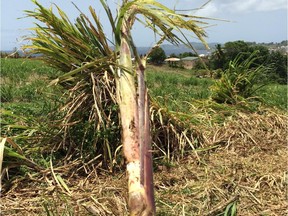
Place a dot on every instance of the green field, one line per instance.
(25, 90)
(179, 86)
(26, 81)
(240, 149)
(25, 86)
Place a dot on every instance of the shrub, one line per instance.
(239, 81)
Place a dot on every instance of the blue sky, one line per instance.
(249, 20)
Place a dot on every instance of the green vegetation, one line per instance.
(27, 101)
(174, 89)
(25, 84)
(157, 56)
(239, 81)
(178, 92)
(25, 91)
(274, 60)
(274, 95)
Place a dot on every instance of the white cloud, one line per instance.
(253, 5)
(209, 10)
(272, 5)
(239, 6)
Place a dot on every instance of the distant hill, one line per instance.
(172, 49)
(168, 48)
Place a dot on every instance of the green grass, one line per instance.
(177, 89)
(26, 98)
(24, 91)
(25, 86)
(275, 95)
(27, 101)
(22, 69)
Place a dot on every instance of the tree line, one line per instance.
(275, 60)
(223, 55)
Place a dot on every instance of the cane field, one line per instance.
(209, 158)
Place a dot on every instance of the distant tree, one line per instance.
(233, 49)
(3, 54)
(284, 43)
(186, 54)
(262, 54)
(275, 61)
(278, 64)
(157, 56)
(222, 56)
(217, 59)
(173, 55)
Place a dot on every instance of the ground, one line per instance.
(242, 163)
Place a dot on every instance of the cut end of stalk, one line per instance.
(137, 203)
(137, 196)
